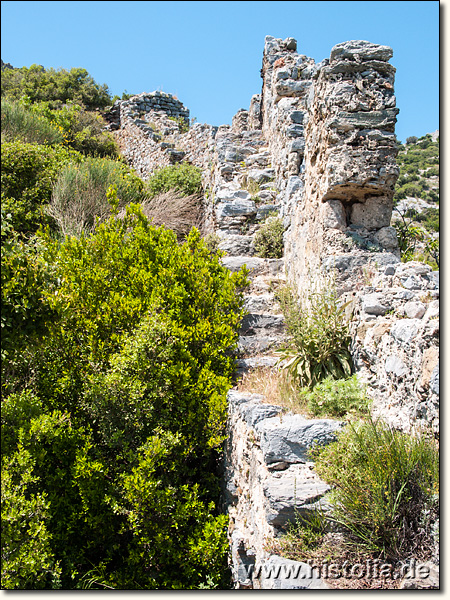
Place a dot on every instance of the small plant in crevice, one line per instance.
(319, 332)
(268, 240)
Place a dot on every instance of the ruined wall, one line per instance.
(330, 128)
(318, 147)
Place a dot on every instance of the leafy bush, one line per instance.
(124, 417)
(80, 193)
(83, 130)
(320, 336)
(25, 278)
(386, 485)
(268, 240)
(19, 123)
(55, 86)
(27, 559)
(29, 172)
(336, 398)
(183, 177)
(411, 139)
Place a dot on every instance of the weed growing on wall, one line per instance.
(268, 240)
(320, 338)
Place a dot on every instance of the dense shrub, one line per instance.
(55, 86)
(386, 487)
(29, 172)
(336, 397)
(320, 338)
(80, 193)
(183, 177)
(20, 123)
(83, 130)
(125, 414)
(25, 278)
(268, 241)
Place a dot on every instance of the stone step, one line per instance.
(254, 345)
(243, 365)
(260, 303)
(271, 267)
(290, 492)
(236, 244)
(255, 324)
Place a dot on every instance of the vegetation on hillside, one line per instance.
(418, 229)
(117, 353)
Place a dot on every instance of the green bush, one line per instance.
(19, 123)
(80, 193)
(124, 417)
(320, 336)
(268, 240)
(29, 172)
(336, 397)
(55, 86)
(83, 130)
(25, 280)
(27, 558)
(385, 487)
(182, 177)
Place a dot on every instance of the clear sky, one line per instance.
(209, 54)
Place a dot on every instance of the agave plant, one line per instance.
(320, 338)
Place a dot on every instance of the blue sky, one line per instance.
(209, 54)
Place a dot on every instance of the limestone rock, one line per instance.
(290, 437)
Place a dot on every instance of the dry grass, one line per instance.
(175, 211)
(274, 385)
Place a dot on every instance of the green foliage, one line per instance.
(55, 86)
(182, 177)
(124, 415)
(27, 558)
(80, 193)
(336, 398)
(82, 130)
(20, 123)
(320, 336)
(183, 124)
(26, 279)
(386, 485)
(268, 240)
(411, 139)
(416, 243)
(29, 172)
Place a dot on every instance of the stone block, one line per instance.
(333, 215)
(395, 365)
(291, 437)
(374, 304)
(374, 213)
(405, 330)
(360, 50)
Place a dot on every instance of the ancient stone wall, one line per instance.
(317, 147)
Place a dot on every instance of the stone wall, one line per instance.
(317, 147)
